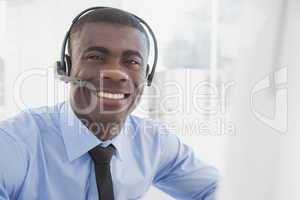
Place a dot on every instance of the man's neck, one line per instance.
(102, 129)
(105, 130)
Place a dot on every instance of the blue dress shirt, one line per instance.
(44, 156)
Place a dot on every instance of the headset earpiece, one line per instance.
(68, 64)
(59, 68)
(147, 70)
(147, 75)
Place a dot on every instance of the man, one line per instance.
(90, 147)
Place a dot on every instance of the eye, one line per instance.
(133, 62)
(95, 57)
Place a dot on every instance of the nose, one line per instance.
(114, 75)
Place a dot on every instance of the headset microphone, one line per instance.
(78, 82)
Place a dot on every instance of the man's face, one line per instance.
(113, 58)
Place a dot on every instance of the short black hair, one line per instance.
(108, 15)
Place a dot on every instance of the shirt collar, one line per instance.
(78, 139)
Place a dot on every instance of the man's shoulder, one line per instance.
(19, 136)
(28, 122)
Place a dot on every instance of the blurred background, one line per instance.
(226, 81)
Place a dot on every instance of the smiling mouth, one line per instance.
(113, 96)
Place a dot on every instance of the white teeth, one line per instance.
(110, 95)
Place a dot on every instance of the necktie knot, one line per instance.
(102, 155)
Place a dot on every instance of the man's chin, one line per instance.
(109, 117)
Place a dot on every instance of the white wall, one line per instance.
(255, 155)
(2, 50)
(288, 183)
(260, 160)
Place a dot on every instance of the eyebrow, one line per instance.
(133, 53)
(96, 48)
(106, 51)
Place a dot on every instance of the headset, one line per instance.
(63, 67)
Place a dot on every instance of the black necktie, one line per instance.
(101, 157)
